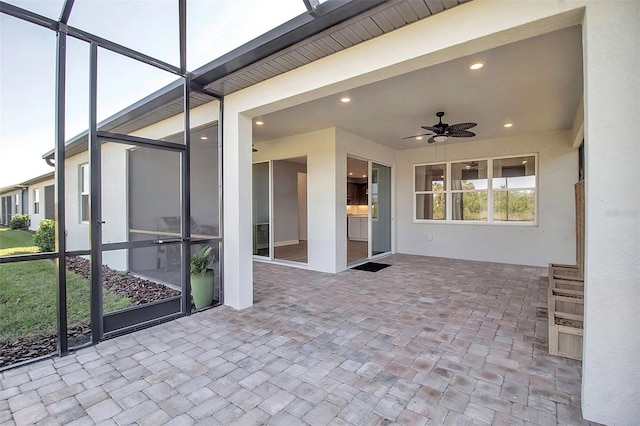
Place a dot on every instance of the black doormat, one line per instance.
(371, 266)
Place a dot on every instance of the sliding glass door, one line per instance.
(280, 210)
(380, 209)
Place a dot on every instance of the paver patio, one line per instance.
(425, 341)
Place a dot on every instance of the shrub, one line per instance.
(19, 221)
(45, 237)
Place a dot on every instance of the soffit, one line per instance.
(388, 17)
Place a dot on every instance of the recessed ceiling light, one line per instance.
(507, 125)
(204, 138)
(364, 175)
(345, 100)
(259, 123)
(418, 138)
(524, 161)
(350, 174)
(476, 65)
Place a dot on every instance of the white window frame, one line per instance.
(450, 191)
(490, 193)
(36, 200)
(84, 191)
(447, 204)
(18, 196)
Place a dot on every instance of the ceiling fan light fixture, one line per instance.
(419, 138)
(440, 138)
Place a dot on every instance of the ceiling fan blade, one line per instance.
(431, 140)
(462, 134)
(461, 126)
(415, 136)
(436, 130)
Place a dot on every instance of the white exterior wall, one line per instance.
(611, 358)
(77, 231)
(551, 240)
(114, 208)
(612, 339)
(114, 185)
(114, 203)
(34, 218)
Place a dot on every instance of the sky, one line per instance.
(28, 58)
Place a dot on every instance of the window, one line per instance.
(494, 190)
(469, 190)
(430, 192)
(514, 189)
(84, 193)
(18, 203)
(36, 201)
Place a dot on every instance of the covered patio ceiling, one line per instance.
(534, 84)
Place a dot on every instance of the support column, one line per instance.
(237, 198)
(611, 378)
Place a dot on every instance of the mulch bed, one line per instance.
(138, 290)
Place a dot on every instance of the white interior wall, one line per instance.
(285, 202)
(319, 148)
(611, 355)
(552, 240)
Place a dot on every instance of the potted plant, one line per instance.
(202, 278)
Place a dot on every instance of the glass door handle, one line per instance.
(168, 240)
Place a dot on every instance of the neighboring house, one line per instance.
(42, 199)
(569, 47)
(13, 200)
(34, 197)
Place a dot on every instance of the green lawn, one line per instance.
(28, 292)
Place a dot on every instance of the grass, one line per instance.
(28, 292)
(16, 242)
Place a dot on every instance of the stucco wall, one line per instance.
(611, 358)
(37, 218)
(77, 231)
(552, 240)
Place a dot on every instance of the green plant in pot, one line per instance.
(202, 278)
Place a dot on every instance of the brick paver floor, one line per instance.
(425, 341)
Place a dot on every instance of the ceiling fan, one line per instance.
(440, 132)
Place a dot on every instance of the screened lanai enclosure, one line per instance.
(123, 101)
(133, 202)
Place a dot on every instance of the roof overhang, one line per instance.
(331, 27)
